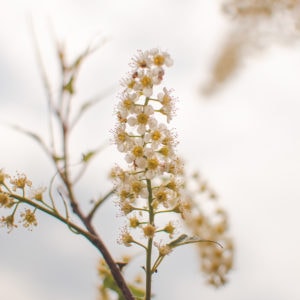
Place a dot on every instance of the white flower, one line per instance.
(131, 121)
(167, 103)
(141, 60)
(147, 91)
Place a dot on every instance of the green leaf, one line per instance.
(177, 241)
(137, 291)
(109, 283)
(184, 239)
(58, 158)
(69, 86)
(86, 157)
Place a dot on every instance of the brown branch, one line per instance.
(61, 110)
(96, 240)
(99, 244)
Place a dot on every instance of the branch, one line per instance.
(34, 136)
(54, 214)
(46, 83)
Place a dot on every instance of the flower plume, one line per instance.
(151, 184)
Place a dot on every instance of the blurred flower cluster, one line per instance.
(209, 220)
(255, 24)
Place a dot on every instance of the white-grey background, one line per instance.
(244, 140)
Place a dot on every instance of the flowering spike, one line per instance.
(151, 181)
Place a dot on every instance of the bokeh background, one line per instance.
(244, 138)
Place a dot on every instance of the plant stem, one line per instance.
(150, 243)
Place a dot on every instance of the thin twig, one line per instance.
(86, 161)
(46, 83)
(54, 214)
(98, 204)
(33, 135)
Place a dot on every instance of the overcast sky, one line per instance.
(244, 140)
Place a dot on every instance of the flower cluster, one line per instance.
(151, 184)
(12, 193)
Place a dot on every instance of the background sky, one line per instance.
(243, 139)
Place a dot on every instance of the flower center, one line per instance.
(159, 60)
(138, 151)
(142, 118)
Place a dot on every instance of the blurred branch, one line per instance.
(46, 82)
(34, 136)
